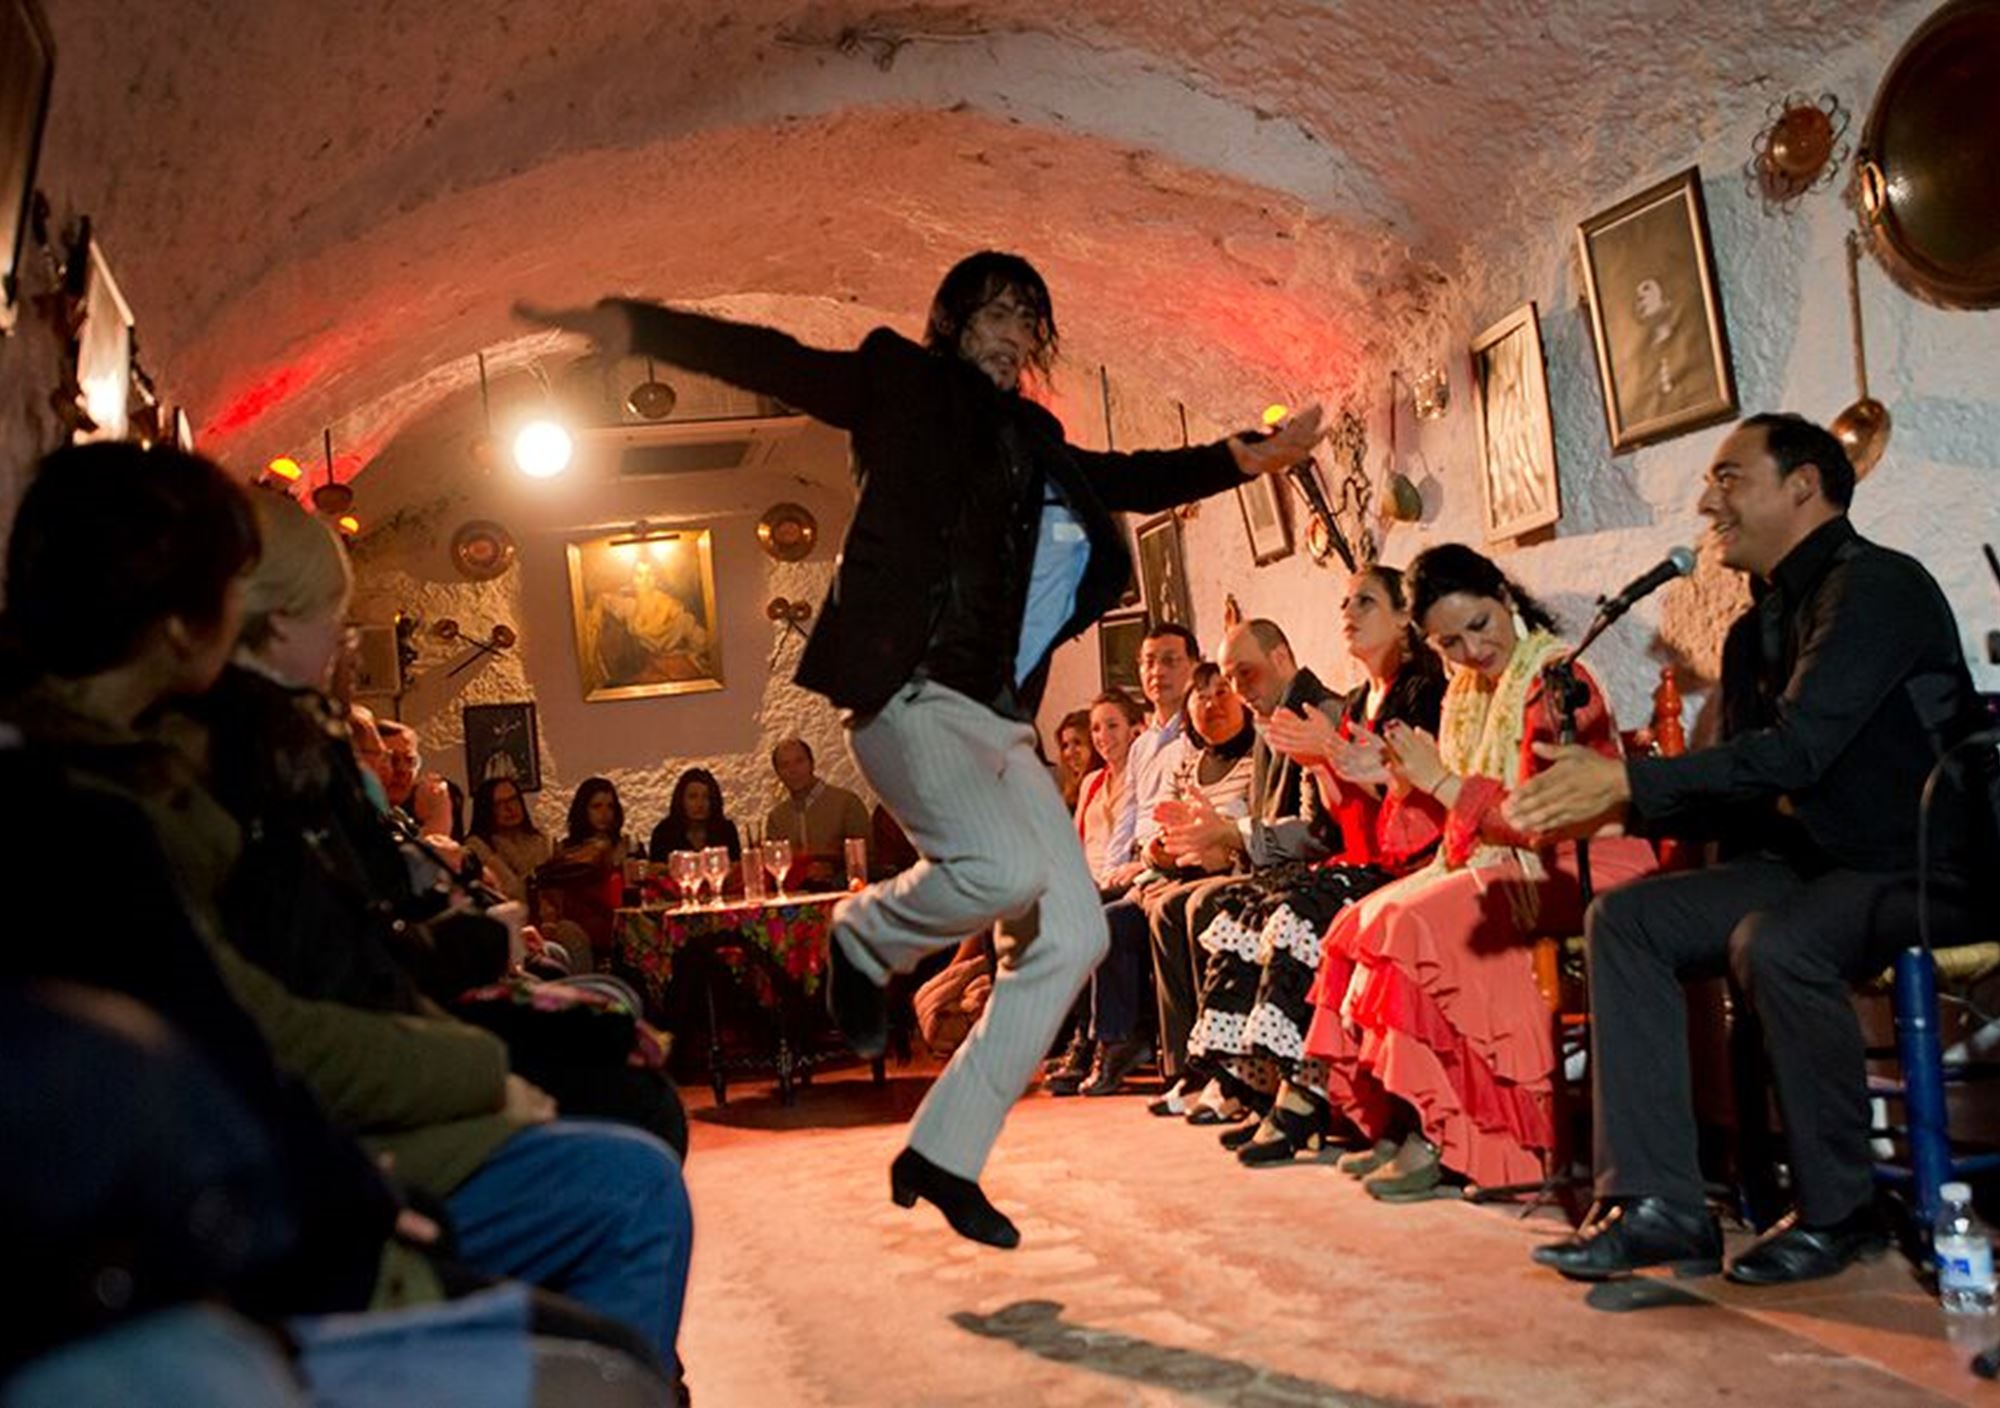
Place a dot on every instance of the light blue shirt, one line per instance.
(1155, 758)
(1062, 551)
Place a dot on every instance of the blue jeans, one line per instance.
(1120, 984)
(597, 1212)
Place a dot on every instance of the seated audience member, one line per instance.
(595, 832)
(503, 835)
(424, 797)
(1263, 945)
(815, 816)
(1167, 659)
(1076, 756)
(125, 588)
(1102, 800)
(1217, 772)
(1281, 825)
(1434, 1030)
(1842, 686)
(695, 819)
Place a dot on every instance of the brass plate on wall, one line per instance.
(1928, 156)
(788, 532)
(481, 550)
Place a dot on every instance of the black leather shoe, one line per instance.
(857, 1004)
(912, 1176)
(1116, 1061)
(1628, 1234)
(1237, 1137)
(1791, 1251)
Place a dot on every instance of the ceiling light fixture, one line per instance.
(652, 399)
(542, 449)
(332, 498)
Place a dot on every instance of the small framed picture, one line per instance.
(1656, 315)
(500, 741)
(104, 354)
(1264, 519)
(1119, 636)
(27, 73)
(378, 667)
(1163, 571)
(1517, 442)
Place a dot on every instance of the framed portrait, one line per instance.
(1264, 520)
(1656, 315)
(104, 354)
(1517, 442)
(1163, 571)
(643, 604)
(27, 74)
(500, 741)
(1119, 636)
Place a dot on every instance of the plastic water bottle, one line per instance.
(1964, 1251)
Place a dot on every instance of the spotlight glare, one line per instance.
(542, 450)
(284, 467)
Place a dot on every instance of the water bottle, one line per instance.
(1964, 1251)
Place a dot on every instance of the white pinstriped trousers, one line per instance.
(997, 843)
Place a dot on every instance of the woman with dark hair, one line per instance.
(1435, 1034)
(1264, 944)
(504, 836)
(695, 819)
(595, 831)
(1076, 755)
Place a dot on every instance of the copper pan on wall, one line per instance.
(1928, 159)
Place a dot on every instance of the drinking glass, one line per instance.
(684, 868)
(855, 850)
(778, 860)
(715, 866)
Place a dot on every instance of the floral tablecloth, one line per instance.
(789, 934)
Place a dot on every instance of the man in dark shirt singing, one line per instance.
(1842, 686)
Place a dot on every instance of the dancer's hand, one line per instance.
(1579, 790)
(1288, 443)
(606, 324)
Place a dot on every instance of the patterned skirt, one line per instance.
(1262, 954)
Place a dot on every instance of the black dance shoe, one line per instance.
(1791, 1251)
(1237, 1137)
(1285, 1134)
(1115, 1061)
(1628, 1234)
(855, 1001)
(912, 1176)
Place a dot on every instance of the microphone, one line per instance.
(1677, 563)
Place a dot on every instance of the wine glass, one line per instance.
(715, 867)
(684, 867)
(778, 860)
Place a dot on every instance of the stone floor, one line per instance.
(1154, 1270)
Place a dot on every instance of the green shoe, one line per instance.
(1414, 1175)
(1363, 1162)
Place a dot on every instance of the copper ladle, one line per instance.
(1863, 428)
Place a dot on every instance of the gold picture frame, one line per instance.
(643, 606)
(1656, 315)
(1517, 440)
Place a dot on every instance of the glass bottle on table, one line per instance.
(715, 867)
(855, 850)
(778, 860)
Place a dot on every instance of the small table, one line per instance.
(776, 948)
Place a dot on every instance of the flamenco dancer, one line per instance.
(981, 541)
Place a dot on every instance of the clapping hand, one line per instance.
(1195, 833)
(1306, 736)
(1412, 757)
(1362, 759)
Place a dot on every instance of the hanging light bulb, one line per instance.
(286, 468)
(348, 524)
(1275, 413)
(332, 498)
(542, 449)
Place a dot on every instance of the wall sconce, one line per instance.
(793, 615)
(500, 638)
(1430, 393)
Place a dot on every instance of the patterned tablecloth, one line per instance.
(789, 934)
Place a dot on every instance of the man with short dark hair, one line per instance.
(982, 539)
(814, 815)
(1842, 686)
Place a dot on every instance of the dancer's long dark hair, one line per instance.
(977, 280)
